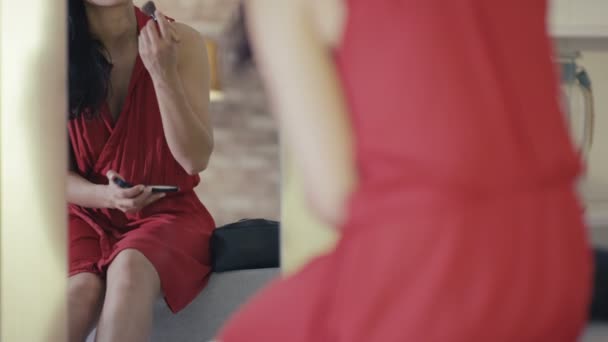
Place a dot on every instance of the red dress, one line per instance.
(173, 233)
(464, 226)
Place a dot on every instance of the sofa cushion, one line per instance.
(596, 333)
(202, 319)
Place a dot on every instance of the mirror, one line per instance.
(148, 184)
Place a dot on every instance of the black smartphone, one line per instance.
(164, 188)
(155, 188)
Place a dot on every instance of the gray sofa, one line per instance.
(225, 293)
(200, 321)
(596, 333)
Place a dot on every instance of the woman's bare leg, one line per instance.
(133, 286)
(85, 296)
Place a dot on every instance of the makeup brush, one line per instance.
(150, 9)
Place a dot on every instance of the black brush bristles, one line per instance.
(150, 9)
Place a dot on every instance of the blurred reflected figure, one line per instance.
(429, 133)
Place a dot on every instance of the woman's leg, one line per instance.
(133, 286)
(85, 296)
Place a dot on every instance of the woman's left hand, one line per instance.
(158, 49)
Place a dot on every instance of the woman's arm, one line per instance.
(83, 193)
(181, 80)
(308, 99)
(86, 194)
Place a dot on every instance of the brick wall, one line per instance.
(243, 179)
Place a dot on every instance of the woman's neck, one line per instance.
(114, 26)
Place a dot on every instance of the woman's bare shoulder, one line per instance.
(192, 43)
(187, 33)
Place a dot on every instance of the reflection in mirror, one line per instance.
(170, 137)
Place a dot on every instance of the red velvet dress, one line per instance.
(173, 233)
(464, 226)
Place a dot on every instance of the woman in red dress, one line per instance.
(428, 131)
(138, 113)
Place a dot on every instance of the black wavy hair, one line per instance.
(89, 69)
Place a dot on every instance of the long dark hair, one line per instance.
(89, 69)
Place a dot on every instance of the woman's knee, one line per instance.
(132, 271)
(86, 290)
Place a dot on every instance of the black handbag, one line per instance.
(599, 305)
(244, 245)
